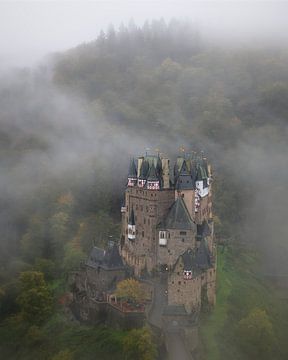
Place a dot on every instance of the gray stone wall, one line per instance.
(182, 291)
(177, 244)
(149, 208)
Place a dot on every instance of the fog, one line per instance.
(72, 138)
(29, 30)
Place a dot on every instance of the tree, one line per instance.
(35, 299)
(131, 290)
(255, 334)
(64, 355)
(138, 344)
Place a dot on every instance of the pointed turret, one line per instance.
(143, 173)
(184, 179)
(153, 182)
(201, 180)
(131, 226)
(132, 174)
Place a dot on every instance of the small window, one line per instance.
(183, 240)
(143, 233)
(179, 282)
(182, 232)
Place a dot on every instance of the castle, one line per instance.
(167, 232)
(167, 226)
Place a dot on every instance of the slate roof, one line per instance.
(188, 260)
(185, 181)
(144, 169)
(152, 174)
(132, 169)
(202, 259)
(201, 173)
(108, 260)
(196, 260)
(203, 229)
(178, 217)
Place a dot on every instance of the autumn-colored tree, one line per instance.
(35, 299)
(138, 344)
(63, 355)
(131, 290)
(255, 335)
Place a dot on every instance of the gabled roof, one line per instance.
(112, 258)
(152, 174)
(188, 260)
(178, 217)
(195, 260)
(107, 260)
(132, 169)
(203, 229)
(202, 259)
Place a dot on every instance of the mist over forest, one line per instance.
(70, 126)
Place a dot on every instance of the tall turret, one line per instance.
(131, 226)
(184, 180)
(132, 175)
(153, 182)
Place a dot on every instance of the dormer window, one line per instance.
(187, 274)
(141, 182)
(131, 182)
(163, 236)
(153, 185)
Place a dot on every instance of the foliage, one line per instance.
(241, 290)
(156, 84)
(35, 300)
(256, 335)
(131, 290)
(138, 344)
(63, 355)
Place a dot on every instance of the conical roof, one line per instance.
(179, 217)
(152, 174)
(132, 169)
(201, 173)
(144, 169)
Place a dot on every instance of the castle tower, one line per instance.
(132, 175)
(131, 226)
(167, 227)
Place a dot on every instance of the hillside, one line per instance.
(67, 137)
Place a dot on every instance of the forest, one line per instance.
(68, 130)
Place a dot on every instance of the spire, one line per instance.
(185, 180)
(132, 169)
(152, 174)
